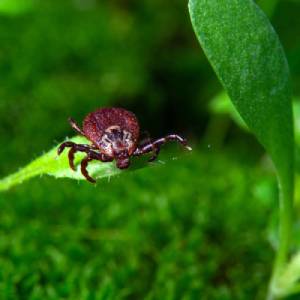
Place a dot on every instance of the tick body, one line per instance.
(114, 135)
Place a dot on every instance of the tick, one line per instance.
(114, 135)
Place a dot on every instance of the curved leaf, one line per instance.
(248, 58)
(58, 166)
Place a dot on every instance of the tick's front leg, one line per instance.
(84, 171)
(73, 149)
(71, 156)
(77, 147)
(92, 155)
(155, 152)
(172, 137)
(71, 153)
(147, 149)
(155, 146)
(64, 145)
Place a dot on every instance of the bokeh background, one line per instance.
(201, 226)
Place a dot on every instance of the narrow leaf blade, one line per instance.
(248, 58)
(58, 166)
(246, 54)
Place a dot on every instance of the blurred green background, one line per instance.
(201, 226)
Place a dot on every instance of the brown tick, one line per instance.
(114, 134)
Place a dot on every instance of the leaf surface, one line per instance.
(248, 58)
(58, 166)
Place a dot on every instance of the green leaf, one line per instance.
(58, 166)
(248, 58)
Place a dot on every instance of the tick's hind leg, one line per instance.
(84, 171)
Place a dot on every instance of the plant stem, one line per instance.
(285, 231)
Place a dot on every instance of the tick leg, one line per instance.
(75, 126)
(172, 137)
(71, 158)
(74, 148)
(100, 156)
(78, 147)
(155, 146)
(84, 171)
(155, 151)
(146, 141)
(92, 154)
(64, 145)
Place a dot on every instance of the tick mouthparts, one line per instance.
(123, 163)
(188, 148)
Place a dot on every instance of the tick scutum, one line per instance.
(112, 126)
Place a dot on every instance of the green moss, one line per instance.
(140, 235)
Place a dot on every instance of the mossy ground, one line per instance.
(156, 233)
